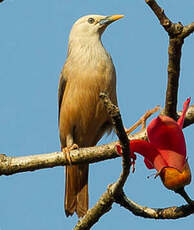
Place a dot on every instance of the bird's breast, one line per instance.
(81, 106)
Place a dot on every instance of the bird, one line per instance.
(82, 117)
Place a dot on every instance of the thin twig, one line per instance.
(142, 120)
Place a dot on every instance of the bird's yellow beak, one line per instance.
(115, 17)
(109, 19)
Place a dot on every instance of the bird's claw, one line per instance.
(66, 152)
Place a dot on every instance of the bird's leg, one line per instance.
(142, 120)
(70, 146)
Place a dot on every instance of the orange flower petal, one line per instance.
(174, 179)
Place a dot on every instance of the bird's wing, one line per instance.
(61, 90)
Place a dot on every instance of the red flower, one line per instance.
(165, 150)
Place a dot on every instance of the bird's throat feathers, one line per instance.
(87, 51)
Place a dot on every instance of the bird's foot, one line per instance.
(66, 152)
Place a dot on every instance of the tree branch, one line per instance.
(154, 213)
(177, 33)
(123, 138)
(93, 215)
(187, 30)
(174, 56)
(12, 165)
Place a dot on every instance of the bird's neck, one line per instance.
(86, 50)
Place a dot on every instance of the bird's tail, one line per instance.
(76, 190)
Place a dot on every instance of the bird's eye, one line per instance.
(91, 20)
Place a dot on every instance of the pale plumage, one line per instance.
(83, 120)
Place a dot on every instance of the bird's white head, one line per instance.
(92, 25)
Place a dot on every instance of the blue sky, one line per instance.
(33, 45)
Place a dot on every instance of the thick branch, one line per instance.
(174, 57)
(93, 215)
(12, 165)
